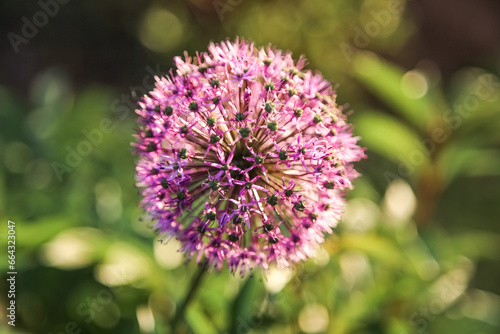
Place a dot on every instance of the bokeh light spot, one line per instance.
(399, 202)
(167, 254)
(122, 265)
(108, 200)
(71, 249)
(145, 318)
(414, 84)
(17, 155)
(161, 30)
(277, 279)
(322, 258)
(39, 174)
(314, 318)
(360, 215)
(355, 267)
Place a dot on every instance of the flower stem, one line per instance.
(195, 284)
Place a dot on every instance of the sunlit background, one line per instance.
(417, 250)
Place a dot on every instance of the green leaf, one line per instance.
(478, 244)
(458, 160)
(35, 233)
(385, 81)
(389, 137)
(243, 303)
(199, 322)
(374, 246)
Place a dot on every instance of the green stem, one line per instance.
(195, 284)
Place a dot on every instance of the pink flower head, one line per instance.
(244, 156)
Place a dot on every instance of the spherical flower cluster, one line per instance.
(244, 156)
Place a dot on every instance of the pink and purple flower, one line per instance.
(244, 156)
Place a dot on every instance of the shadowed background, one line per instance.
(417, 250)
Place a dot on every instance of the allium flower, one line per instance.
(244, 156)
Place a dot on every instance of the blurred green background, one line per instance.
(417, 250)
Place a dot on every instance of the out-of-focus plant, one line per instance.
(413, 254)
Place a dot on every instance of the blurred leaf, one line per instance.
(34, 233)
(475, 244)
(463, 324)
(480, 132)
(477, 96)
(474, 114)
(199, 322)
(359, 306)
(384, 80)
(223, 288)
(457, 161)
(388, 137)
(375, 246)
(243, 303)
